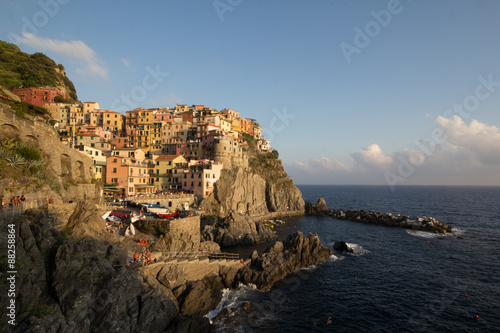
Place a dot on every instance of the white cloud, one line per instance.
(469, 154)
(481, 140)
(126, 63)
(321, 164)
(75, 50)
(372, 157)
(169, 100)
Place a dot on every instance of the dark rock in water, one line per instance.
(281, 259)
(321, 205)
(342, 247)
(319, 208)
(224, 313)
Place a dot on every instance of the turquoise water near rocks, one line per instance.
(397, 280)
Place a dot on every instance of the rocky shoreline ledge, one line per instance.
(422, 223)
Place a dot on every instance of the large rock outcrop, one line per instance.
(283, 258)
(251, 192)
(244, 195)
(236, 229)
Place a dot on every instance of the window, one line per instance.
(185, 184)
(213, 176)
(114, 170)
(199, 184)
(131, 180)
(114, 160)
(207, 184)
(192, 184)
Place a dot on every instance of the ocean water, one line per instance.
(397, 280)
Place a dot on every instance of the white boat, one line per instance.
(114, 219)
(105, 216)
(158, 210)
(130, 231)
(136, 218)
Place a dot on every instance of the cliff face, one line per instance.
(254, 192)
(72, 277)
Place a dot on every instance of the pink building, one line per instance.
(200, 177)
(38, 95)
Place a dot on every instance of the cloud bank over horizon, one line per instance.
(465, 154)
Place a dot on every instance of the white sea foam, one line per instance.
(358, 249)
(233, 299)
(432, 235)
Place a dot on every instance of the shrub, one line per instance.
(41, 310)
(28, 153)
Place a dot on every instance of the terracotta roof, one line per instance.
(167, 157)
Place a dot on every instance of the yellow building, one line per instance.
(167, 173)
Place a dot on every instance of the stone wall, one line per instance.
(68, 164)
(173, 202)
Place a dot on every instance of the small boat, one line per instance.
(130, 230)
(136, 218)
(158, 210)
(168, 214)
(114, 219)
(105, 216)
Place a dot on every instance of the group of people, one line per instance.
(144, 258)
(15, 201)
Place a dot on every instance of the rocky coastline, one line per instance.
(422, 223)
(74, 276)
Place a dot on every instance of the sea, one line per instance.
(397, 280)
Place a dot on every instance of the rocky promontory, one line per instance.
(422, 223)
(283, 258)
(242, 197)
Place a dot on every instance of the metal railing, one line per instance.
(9, 211)
(200, 255)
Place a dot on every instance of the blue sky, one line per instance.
(336, 116)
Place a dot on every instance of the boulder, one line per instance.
(342, 247)
(283, 258)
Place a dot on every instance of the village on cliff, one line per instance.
(152, 150)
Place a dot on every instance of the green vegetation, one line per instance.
(21, 69)
(17, 154)
(25, 164)
(65, 235)
(23, 108)
(41, 310)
